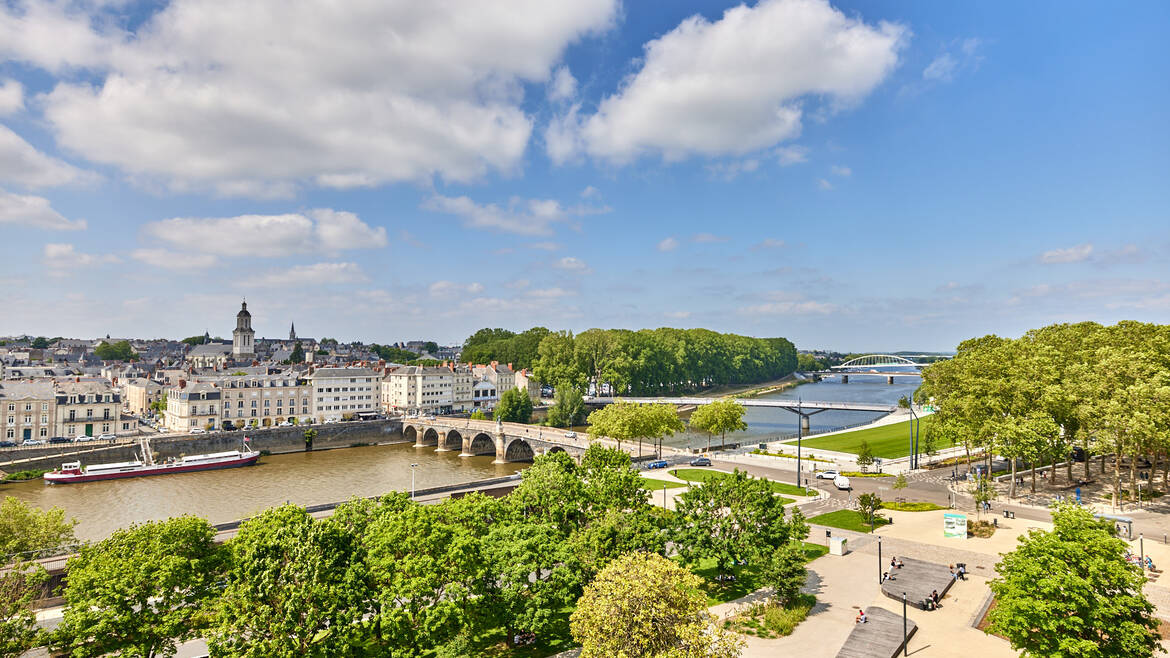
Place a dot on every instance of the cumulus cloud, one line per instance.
(572, 264)
(668, 244)
(790, 155)
(563, 85)
(174, 260)
(22, 164)
(708, 238)
(520, 216)
(549, 293)
(1075, 254)
(34, 211)
(941, 68)
(768, 243)
(11, 97)
(735, 85)
(317, 274)
(268, 235)
(946, 66)
(63, 256)
(783, 302)
(387, 90)
(448, 288)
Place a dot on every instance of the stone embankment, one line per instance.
(274, 440)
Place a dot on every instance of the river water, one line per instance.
(334, 475)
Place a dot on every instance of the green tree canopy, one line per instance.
(140, 591)
(40, 343)
(28, 532)
(119, 351)
(1070, 592)
(568, 407)
(298, 353)
(719, 417)
(643, 604)
(625, 421)
(514, 407)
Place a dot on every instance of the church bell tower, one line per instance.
(243, 343)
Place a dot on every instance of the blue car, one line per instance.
(658, 463)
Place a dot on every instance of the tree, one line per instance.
(785, 573)
(20, 586)
(194, 340)
(529, 580)
(719, 417)
(551, 492)
(568, 407)
(1071, 592)
(120, 351)
(26, 533)
(900, 481)
(309, 435)
(431, 346)
(864, 456)
(159, 406)
(557, 362)
(295, 587)
(298, 353)
(983, 491)
(478, 414)
(868, 504)
(731, 519)
(626, 421)
(514, 407)
(40, 343)
(643, 604)
(29, 533)
(140, 591)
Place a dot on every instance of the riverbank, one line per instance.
(791, 380)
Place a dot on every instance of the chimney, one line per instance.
(495, 363)
(182, 383)
(509, 366)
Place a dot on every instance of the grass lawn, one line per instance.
(746, 576)
(912, 506)
(558, 638)
(847, 519)
(703, 475)
(887, 441)
(656, 485)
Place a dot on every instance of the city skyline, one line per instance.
(935, 172)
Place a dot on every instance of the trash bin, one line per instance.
(838, 546)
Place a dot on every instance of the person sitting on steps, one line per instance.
(861, 618)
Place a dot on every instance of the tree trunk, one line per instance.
(708, 443)
(1012, 486)
(724, 440)
(1033, 466)
(1052, 470)
(1133, 489)
(1116, 478)
(1165, 474)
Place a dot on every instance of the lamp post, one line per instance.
(905, 640)
(799, 434)
(664, 496)
(412, 467)
(913, 454)
(879, 559)
(1142, 549)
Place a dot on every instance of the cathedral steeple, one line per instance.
(292, 331)
(243, 343)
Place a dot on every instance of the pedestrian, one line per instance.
(954, 576)
(861, 618)
(962, 572)
(934, 597)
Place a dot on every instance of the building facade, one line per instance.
(265, 400)
(418, 389)
(193, 405)
(28, 410)
(88, 408)
(243, 338)
(342, 392)
(139, 394)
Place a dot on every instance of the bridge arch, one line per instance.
(429, 438)
(555, 449)
(410, 433)
(519, 451)
(872, 360)
(482, 444)
(453, 440)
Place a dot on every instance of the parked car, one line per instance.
(657, 463)
(199, 430)
(82, 438)
(570, 435)
(285, 424)
(33, 442)
(842, 483)
(827, 475)
(59, 439)
(7, 444)
(700, 461)
(107, 437)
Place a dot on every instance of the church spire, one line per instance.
(292, 331)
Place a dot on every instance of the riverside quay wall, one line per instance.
(274, 440)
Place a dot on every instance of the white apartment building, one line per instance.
(265, 400)
(89, 408)
(28, 410)
(418, 389)
(338, 392)
(193, 405)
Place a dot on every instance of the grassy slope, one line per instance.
(847, 519)
(702, 475)
(887, 441)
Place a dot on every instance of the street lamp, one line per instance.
(1142, 550)
(879, 559)
(905, 639)
(799, 433)
(412, 467)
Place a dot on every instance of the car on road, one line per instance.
(82, 438)
(700, 461)
(827, 475)
(33, 442)
(285, 424)
(107, 437)
(657, 463)
(570, 435)
(199, 430)
(59, 439)
(842, 483)
(7, 444)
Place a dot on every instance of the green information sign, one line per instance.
(955, 525)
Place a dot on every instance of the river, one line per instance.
(333, 475)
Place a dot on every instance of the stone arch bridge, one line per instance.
(508, 442)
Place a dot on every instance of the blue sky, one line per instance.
(851, 175)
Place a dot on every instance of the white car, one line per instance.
(107, 437)
(83, 439)
(33, 442)
(842, 483)
(286, 424)
(199, 430)
(570, 435)
(827, 475)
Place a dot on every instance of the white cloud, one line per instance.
(383, 91)
(549, 293)
(794, 307)
(790, 155)
(738, 84)
(317, 274)
(34, 211)
(668, 244)
(11, 97)
(63, 256)
(563, 85)
(768, 243)
(839, 170)
(521, 216)
(708, 238)
(545, 246)
(572, 264)
(22, 164)
(448, 288)
(678, 315)
(590, 192)
(732, 170)
(1070, 255)
(173, 260)
(268, 235)
(941, 68)
(824, 184)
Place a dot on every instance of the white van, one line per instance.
(842, 483)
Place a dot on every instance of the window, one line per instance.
(125, 426)
(44, 418)
(44, 431)
(105, 427)
(28, 406)
(11, 433)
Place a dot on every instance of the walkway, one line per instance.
(882, 636)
